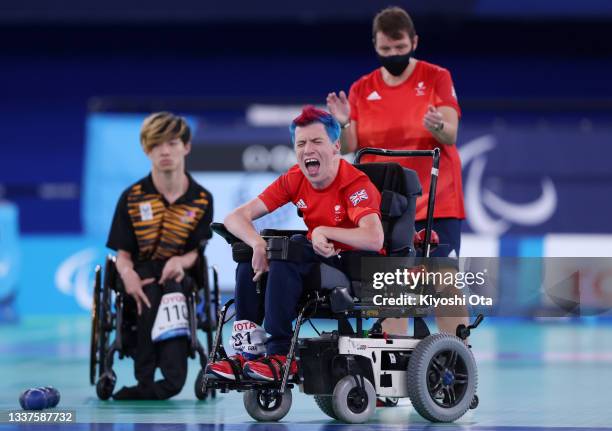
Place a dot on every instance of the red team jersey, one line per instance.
(392, 118)
(341, 204)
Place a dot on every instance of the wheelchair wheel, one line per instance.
(442, 378)
(95, 326)
(198, 387)
(354, 399)
(325, 404)
(102, 324)
(263, 405)
(106, 385)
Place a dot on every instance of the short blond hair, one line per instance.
(162, 127)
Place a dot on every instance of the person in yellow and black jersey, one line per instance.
(160, 225)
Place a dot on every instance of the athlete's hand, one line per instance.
(133, 287)
(260, 260)
(173, 270)
(321, 244)
(433, 120)
(338, 106)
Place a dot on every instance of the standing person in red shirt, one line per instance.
(408, 104)
(340, 206)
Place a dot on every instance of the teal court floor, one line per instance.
(532, 375)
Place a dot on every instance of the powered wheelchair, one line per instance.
(114, 311)
(346, 369)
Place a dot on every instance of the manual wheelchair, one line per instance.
(348, 368)
(113, 310)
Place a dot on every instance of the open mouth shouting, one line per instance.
(312, 166)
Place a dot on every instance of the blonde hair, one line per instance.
(162, 127)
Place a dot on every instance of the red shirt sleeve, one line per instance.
(353, 97)
(276, 194)
(445, 92)
(363, 198)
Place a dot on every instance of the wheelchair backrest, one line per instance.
(399, 188)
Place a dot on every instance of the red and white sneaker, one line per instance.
(227, 368)
(269, 368)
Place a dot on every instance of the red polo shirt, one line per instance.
(341, 204)
(392, 118)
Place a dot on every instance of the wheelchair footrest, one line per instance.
(247, 384)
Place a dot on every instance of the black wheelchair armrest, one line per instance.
(241, 252)
(282, 232)
(220, 229)
(282, 248)
(278, 241)
(279, 245)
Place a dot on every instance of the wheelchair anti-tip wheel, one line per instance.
(265, 405)
(106, 385)
(442, 378)
(354, 399)
(474, 402)
(325, 404)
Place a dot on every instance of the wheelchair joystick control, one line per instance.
(463, 331)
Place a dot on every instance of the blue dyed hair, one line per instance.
(310, 115)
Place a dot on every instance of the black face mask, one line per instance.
(395, 64)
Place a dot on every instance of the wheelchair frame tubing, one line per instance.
(196, 346)
(118, 342)
(221, 320)
(435, 155)
(106, 325)
(294, 339)
(215, 303)
(212, 357)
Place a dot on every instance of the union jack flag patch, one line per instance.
(359, 196)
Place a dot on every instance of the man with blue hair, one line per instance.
(340, 207)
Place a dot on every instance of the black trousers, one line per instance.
(169, 355)
(277, 306)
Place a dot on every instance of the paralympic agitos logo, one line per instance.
(487, 213)
(74, 276)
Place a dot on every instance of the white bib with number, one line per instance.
(248, 338)
(172, 318)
